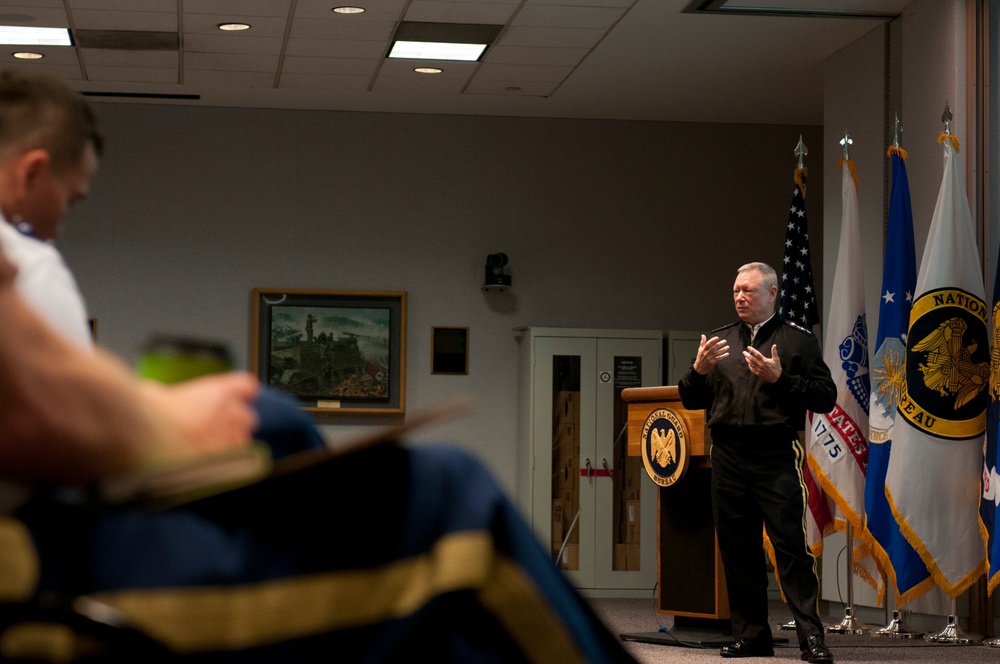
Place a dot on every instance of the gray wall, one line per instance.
(607, 224)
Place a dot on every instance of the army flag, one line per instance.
(989, 506)
(837, 441)
(797, 304)
(933, 478)
(904, 568)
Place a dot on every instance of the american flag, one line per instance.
(798, 297)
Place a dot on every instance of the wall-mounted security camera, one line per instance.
(496, 278)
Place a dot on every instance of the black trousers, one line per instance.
(758, 484)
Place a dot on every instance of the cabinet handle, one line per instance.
(604, 462)
(590, 469)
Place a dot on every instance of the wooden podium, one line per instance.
(690, 579)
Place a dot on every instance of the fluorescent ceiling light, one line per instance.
(348, 10)
(466, 42)
(234, 27)
(21, 35)
(28, 55)
(418, 50)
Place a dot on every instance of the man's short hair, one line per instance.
(42, 112)
(768, 276)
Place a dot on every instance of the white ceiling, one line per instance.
(613, 59)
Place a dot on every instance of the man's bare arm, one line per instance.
(71, 416)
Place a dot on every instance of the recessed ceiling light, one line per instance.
(234, 27)
(418, 50)
(17, 34)
(348, 10)
(428, 70)
(28, 55)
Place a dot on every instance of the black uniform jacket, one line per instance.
(739, 405)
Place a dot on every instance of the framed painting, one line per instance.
(334, 351)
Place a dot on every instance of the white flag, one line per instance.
(933, 477)
(838, 441)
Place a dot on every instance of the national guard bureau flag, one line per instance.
(797, 304)
(837, 441)
(933, 478)
(906, 571)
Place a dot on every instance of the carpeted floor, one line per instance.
(698, 643)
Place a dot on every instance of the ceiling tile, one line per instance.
(450, 70)
(363, 30)
(45, 17)
(381, 10)
(124, 5)
(54, 55)
(325, 82)
(419, 83)
(326, 48)
(132, 74)
(227, 79)
(583, 3)
(569, 17)
(64, 71)
(230, 62)
(105, 57)
(517, 35)
(512, 88)
(238, 9)
(261, 26)
(22, 8)
(489, 72)
(221, 43)
(534, 55)
(442, 11)
(336, 66)
(87, 19)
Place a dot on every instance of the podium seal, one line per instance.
(664, 447)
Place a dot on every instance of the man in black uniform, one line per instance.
(756, 404)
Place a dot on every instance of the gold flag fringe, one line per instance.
(800, 179)
(951, 138)
(851, 168)
(895, 150)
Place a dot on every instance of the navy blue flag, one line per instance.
(905, 569)
(798, 297)
(989, 506)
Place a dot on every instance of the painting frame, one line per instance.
(334, 351)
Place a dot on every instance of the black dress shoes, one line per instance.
(747, 648)
(815, 652)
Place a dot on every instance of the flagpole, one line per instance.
(952, 632)
(850, 624)
(897, 627)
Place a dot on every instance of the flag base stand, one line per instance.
(897, 629)
(788, 626)
(849, 625)
(953, 634)
(992, 643)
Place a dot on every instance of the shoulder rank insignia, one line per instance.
(797, 327)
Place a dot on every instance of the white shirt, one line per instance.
(46, 284)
